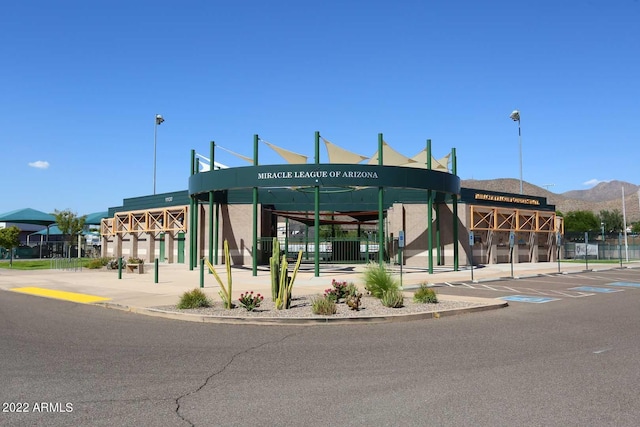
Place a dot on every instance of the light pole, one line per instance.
(515, 116)
(159, 120)
(602, 224)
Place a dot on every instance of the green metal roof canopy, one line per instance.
(28, 216)
(96, 217)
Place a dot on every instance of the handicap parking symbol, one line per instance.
(595, 289)
(624, 284)
(527, 298)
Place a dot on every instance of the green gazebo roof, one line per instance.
(28, 216)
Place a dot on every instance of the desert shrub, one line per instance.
(97, 263)
(352, 289)
(112, 264)
(392, 298)
(193, 299)
(337, 291)
(354, 301)
(425, 295)
(323, 306)
(250, 301)
(378, 280)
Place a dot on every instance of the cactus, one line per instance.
(281, 299)
(274, 266)
(225, 292)
(281, 283)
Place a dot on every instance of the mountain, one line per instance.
(606, 196)
(611, 190)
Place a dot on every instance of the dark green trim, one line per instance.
(323, 175)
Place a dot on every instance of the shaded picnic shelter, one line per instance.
(28, 216)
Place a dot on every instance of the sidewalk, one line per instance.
(139, 290)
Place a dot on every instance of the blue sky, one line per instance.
(81, 82)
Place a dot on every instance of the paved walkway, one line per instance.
(139, 290)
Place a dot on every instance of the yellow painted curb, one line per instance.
(67, 296)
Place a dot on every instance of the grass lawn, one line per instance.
(34, 264)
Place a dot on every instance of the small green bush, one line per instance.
(323, 306)
(378, 280)
(392, 298)
(425, 295)
(97, 263)
(352, 289)
(193, 299)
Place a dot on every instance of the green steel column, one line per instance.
(429, 213)
(191, 210)
(438, 244)
(254, 249)
(316, 212)
(215, 236)
(380, 207)
(454, 170)
(306, 242)
(155, 270)
(196, 222)
(438, 249)
(202, 272)
(211, 157)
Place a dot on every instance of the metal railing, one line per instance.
(331, 250)
(68, 264)
(601, 251)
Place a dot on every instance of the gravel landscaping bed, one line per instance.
(301, 308)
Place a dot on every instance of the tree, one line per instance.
(9, 239)
(612, 220)
(70, 225)
(636, 227)
(581, 221)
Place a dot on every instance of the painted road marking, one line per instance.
(529, 299)
(624, 284)
(63, 295)
(594, 289)
(502, 288)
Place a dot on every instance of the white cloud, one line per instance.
(593, 182)
(39, 164)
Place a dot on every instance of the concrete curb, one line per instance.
(487, 304)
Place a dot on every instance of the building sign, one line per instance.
(318, 174)
(507, 199)
(323, 175)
